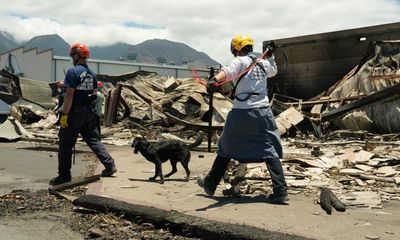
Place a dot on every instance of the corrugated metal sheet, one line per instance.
(381, 72)
(36, 91)
(12, 130)
(4, 108)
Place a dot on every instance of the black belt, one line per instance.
(247, 96)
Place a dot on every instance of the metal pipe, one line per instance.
(211, 89)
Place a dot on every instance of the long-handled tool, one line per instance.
(211, 90)
(73, 159)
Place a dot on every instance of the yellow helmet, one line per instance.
(240, 41)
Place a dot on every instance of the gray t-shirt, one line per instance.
(98, 104)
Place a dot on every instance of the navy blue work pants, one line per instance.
(81, 120)
(274, 167)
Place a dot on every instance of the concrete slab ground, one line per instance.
(27, 166)
(130, 184)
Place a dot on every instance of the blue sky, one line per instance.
(205, 25)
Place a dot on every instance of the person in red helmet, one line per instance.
(78, 117)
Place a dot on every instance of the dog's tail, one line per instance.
(198, 141)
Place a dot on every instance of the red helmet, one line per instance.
(81, 49)
(99, 84)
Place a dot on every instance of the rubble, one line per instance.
(353, 164)
(12, 130)
(139, 103)
(358, 161)
(365, 99)
(358, 178)
(148, 97)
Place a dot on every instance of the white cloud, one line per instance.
(205, 25)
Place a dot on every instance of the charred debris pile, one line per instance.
(362, 104)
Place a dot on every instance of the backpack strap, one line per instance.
(252, 57)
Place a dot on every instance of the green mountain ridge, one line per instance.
(150, 51)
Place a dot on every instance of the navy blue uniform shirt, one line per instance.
(83, 80)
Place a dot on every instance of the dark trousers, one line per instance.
(274, 167)
(81, 120)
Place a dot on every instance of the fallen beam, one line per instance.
(322, 101)
(62, 195)
(390, 92)
(379, 179)
(179, 223)
(316, 144)
(202, 125)
(75, 182)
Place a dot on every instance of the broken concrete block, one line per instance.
(300, 183)
(357, 157)
(362, 199)
(363, 167)
(397, 180)
(386, 171)
(287, 119)
(351, 172)
(95, 233)
(170, 84)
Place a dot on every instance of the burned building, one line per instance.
(311, 64)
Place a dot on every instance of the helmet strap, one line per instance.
(77, 59)
(235, 53)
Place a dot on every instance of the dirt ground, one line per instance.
(38, 215)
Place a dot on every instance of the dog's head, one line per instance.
(138, 144)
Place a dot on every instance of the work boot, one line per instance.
(109, 171)
(234, 191)
(202, 181)
(277, 199)
(212, 179)
(59, 180)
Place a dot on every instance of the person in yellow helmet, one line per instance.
(250, 133)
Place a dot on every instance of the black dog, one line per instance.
(159, 152)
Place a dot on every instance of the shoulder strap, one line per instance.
(241, 77)
(262, 68)
(237, 83)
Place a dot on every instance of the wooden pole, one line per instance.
(75, 182)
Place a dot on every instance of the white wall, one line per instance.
(46, 67)
(33, 64)
(116, 67)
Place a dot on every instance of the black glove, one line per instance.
(212, 81)
(270, 46)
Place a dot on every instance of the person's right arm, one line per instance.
(70, 84)
(270, 66)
